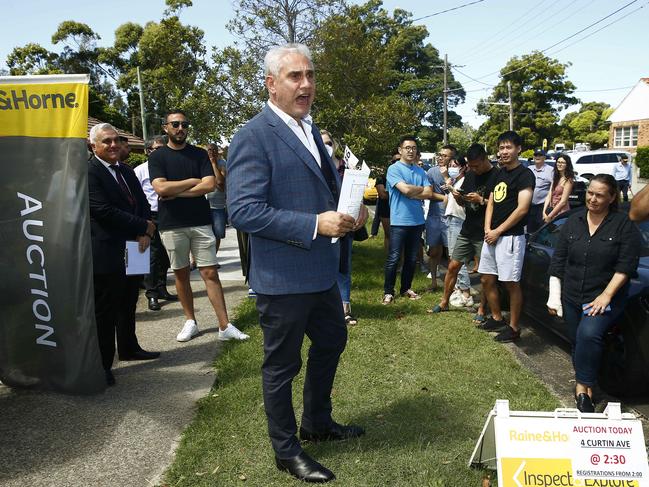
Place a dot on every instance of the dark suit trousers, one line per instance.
(156, 280)
(285, 320)
(115, 301)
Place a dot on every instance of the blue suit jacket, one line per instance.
(275, 189)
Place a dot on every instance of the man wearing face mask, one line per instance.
(436, 229)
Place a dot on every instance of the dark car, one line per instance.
(625, 364)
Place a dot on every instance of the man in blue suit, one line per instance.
(283, 190)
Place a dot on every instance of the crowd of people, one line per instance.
(481, 212)
(281, 182)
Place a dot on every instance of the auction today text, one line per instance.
(38, 278)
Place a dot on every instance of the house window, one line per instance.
(626, 136)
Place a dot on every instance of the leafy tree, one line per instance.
(32, 59)
(540, 90)
(261, 24)
(377, 80)
(462, 137)
(230, 93)
(589, 124)
(170, 57)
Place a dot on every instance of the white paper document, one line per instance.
(136, 262)
(355, 180)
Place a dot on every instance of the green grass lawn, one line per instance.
(420, 384)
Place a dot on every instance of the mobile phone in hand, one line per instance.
(586, 308)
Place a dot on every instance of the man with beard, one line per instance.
(181, 174)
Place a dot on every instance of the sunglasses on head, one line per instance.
(175, 124)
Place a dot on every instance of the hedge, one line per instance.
(642, 161)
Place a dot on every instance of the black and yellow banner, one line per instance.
(47, 333)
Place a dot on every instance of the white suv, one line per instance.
(589, 163)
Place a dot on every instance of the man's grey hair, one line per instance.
(97, 129)
(160, 139)
(274, 57)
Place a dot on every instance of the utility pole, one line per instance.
(445, 137)
(511, 106)
(139, 86)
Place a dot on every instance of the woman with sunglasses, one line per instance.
(556, 202)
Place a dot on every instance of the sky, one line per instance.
(479, 37)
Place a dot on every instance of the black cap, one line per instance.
(539, 152)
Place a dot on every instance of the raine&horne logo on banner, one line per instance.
(44, 109)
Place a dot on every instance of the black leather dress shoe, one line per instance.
(110, 378)
(584, 403)
(139, 355)
(305, 468)
(167, 297)
(335, 432)
(153, 304)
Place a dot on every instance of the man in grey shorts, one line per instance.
(478, 184)
(504, 246)
(181, 174)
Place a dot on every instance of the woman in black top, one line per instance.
(596, 255)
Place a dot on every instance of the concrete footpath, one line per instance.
(127, 435)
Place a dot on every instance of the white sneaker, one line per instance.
(232, 333)
(189, 331)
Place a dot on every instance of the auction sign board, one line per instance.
(564, 448)
(48, 337)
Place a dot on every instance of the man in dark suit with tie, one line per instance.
(119, 212)
(283, 190)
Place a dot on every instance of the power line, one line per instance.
(605, 89)
(526, 35)
(588, 27)
(508, 34)
(560, 42)
(601, 28)
(447, 10)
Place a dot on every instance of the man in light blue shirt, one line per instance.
(407, 187)
(622, 174)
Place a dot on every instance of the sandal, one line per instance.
(411, 295)
(350, 320)
(478, 319)
(437, 309)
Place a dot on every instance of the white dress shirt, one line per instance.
(301, 132)
(306, 137)
(142, 173)
(111, 172)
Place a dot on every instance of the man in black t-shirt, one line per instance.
(504, 246)
(478, 184)
(181, 174)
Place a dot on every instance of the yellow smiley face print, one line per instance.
(500, 192)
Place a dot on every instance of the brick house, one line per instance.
(630, 120)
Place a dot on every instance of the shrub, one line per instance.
(642, 161)
(135, 159)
